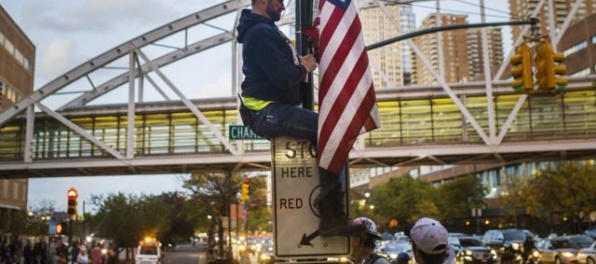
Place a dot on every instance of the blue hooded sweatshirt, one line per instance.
(271, 68)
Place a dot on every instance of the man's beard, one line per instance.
(275, 16)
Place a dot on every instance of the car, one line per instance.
(590, 232)
(587, 255)
(149, 252)
(563, 249)
(505, 239)
(469, 249)
(391, 249)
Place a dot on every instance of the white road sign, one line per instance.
(295, 186)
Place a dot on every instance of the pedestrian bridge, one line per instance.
(463, 123)
(420, 126)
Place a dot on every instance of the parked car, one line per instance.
(587, 255)
(563, 249)
(470, 249)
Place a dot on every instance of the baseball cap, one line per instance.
(428, 235)
(371, 228)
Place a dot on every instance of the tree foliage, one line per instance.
(125, 220)
(458, 197)
(405, 199)
(571, 188)
(213, 192)
(259, 212)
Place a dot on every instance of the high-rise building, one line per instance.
(522, 9)
(17, 61)
(578, 46)
(407, 22)
(475, 51)
(386, 62)
(455, 51)
(463, 58)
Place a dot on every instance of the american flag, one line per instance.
(347, 101)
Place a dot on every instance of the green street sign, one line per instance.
(241, 132)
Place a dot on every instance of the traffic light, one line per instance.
(549, 67)
(245, 191)
(72, 203)
(522, 68)
(60, 227)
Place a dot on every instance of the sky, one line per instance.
(67, 33)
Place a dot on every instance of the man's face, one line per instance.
(274, 9)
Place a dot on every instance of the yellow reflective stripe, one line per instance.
(254, 103)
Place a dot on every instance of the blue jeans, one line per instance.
(285, 120)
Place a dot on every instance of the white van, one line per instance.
(149, 252)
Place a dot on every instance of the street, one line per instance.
(185, 254)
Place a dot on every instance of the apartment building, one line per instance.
(17, 64)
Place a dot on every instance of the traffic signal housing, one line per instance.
(72, 195)
(522, 68)
(549, 67)
(245, 190)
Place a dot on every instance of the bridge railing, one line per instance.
(406, 121)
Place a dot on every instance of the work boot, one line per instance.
(334, 220)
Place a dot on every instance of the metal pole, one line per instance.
(70, 223)
(229, 203)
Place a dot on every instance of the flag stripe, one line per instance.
(347, 103)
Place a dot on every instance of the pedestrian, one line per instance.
(363, 246)
(28, 253)
(61, 253)
(271, 91)
(82, 257)
(507, 258)
(96, 257)
(112, 256)
(429, 242)
(402, 258)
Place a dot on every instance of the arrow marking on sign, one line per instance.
(305, 241)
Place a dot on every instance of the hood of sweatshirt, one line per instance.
(247, 20)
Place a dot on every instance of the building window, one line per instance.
(9, 46)
(593, 39)
(575, 48)
(15, 186)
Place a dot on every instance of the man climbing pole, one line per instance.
(273, 87)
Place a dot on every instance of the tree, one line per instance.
(458, 197)
(515, 195)
(181, 225)
(259, 213)
(572, 193)
(126, 220)
(405, 199)
(213, 191)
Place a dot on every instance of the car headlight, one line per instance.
(536, 254)
(515, 246)
(265, 257)
(567, 254)
(493, 253)
(469, 252)
(393, 256)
